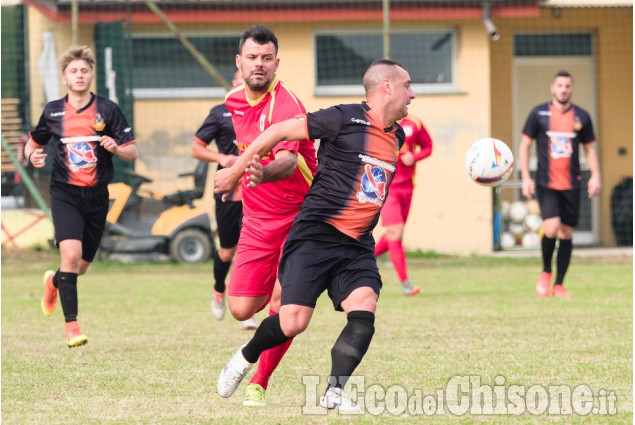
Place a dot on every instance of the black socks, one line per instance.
(268, 335)
(548, 246)
(350, 347)
(67, 285)
(220, 273)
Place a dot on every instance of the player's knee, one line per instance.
(226, 254)
(241, 311)
(294, 325)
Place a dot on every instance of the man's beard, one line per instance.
(563, 101)
(259, 85)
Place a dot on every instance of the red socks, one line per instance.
(398, 259)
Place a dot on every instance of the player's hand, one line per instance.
(225, 181)
(254, 172)
(228, 160)
(407, 158)
(528, 188)
(108, 143)
(594, 186)
(38, 158)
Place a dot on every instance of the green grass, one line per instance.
(154, 350)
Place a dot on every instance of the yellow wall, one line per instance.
(449, 213)
(613, 28)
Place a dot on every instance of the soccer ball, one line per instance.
(489, 162)
(517, 211)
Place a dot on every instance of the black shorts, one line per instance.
(79, 213)
(316, 256)
(229, 216)
(559, 203)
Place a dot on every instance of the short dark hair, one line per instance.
(563, 73)
(385, 62)
(260, 34)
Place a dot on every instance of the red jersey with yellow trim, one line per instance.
(558, 135)
(251, 118)
(419, 143)
(78, 158)
(357, 162)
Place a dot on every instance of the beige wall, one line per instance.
(449, 212)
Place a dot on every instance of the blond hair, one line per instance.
(77, 53)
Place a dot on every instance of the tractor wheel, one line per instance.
(191, 246)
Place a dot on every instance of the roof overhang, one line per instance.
(226, 11)
(587, 3)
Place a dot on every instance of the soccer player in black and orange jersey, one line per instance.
(86, 131)
(330, 246)
(218, 127)
(559, 128)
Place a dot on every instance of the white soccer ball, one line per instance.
(531, 240)
(507, 240)
(532, 222)
(489, 162)
(517, 211)
(517, 230)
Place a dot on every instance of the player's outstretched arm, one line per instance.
(292, 129)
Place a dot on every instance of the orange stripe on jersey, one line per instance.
(80, 147)
(560, 148)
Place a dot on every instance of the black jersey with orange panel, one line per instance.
(78, 158)
(357, 159)
(558, 135)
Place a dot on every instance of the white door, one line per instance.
(532, 76)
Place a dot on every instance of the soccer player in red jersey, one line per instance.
(269, 209)
(218, 127)
(331, 246)
(395, 211)
(559, 128)
(86, 131)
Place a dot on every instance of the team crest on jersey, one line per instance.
(561, 146)
(100, 124)
(577, 123)
(81, 155)
(373, 184)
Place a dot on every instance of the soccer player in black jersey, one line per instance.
(330, 246)
(560, 129)
(218, 127)
(86, 131)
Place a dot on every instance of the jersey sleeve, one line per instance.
(121, 131)
(210, 128)
(586, 134)
(40, 134)
(531, 125)
(324, 124)
(425, 143)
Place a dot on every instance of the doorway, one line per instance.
(534, 65)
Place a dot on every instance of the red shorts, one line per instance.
(397, 206)
(260, 245)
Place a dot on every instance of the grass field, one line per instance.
(155, 351)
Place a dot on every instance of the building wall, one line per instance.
(449, 213)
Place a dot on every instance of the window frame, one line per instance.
(358, 89)
(180, 92)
